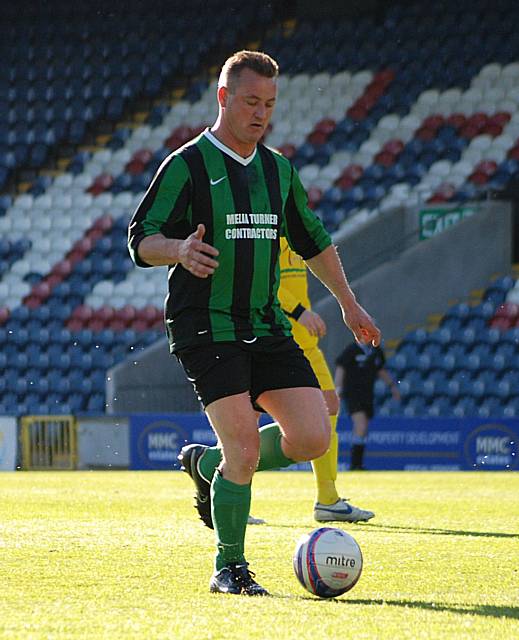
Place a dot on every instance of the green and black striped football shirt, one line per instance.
(245, 205)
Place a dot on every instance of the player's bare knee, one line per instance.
(314, 446)
(241, 459)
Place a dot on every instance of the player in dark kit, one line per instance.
(214, 214)
(358, 366)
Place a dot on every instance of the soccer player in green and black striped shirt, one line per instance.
(214, 214)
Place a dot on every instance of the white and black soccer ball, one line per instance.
(327, 562)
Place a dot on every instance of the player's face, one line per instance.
(247, 111)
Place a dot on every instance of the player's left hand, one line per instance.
(313, 323)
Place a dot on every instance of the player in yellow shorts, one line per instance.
(307, 328)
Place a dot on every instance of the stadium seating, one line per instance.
(468, 366)
(60, 77)
(381, 117)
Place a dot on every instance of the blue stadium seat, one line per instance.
(439, 407)
(465, 407)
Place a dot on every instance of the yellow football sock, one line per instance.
(325, 469)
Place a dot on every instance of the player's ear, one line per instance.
(222, 95)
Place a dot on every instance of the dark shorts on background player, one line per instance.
(358, 403)
(224, 369)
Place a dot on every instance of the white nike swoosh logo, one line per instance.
(213, 182)
(250, 341)
(202, 332)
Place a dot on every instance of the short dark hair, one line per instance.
(256, 61)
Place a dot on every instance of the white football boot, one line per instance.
(341, 511)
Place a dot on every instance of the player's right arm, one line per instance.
(161, 232)
(307, 236)
(328, 268)
(192, 253)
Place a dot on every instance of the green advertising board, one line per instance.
(434, 221)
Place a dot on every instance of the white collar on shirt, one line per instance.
(228, 150)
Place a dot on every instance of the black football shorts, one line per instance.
(360, 402)
(224, 369)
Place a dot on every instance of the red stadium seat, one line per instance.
(140, 325)
(142, 155)
(478, 177)
(326, 126)
(117, 324)
(314, 196)
(94, 324)
(385, 77)
(101, 183)
(437, 198)
(434, 122)
(148, 314)
(368, 100)
(426, 134)
(173, 142)
(288, 150)
(357, 113)
(104, 314)
(492, 129)
(503, 324)
(478, 120)
(134, 167)
(456, 120)
(62, 268)
(317, 138)
(393, 146)
(82, 314)
(469, 131)
(444, 193)
(372, 94)
(74, 325)
(487, 167)
(507, 310)
(384, 158)
(344, 182)
(30, 301)
(41, 291)
(501, 118)
(103, 223)
(183, 133)
(353, 171)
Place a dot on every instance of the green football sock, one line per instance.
(230, 506)
(271, 453)
(208, 462)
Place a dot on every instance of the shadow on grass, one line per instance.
(485, 610)
(389, 527)
(439, 532)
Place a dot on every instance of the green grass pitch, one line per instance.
(122, 555)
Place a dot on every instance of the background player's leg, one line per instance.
(325, 467)
(360, 432)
